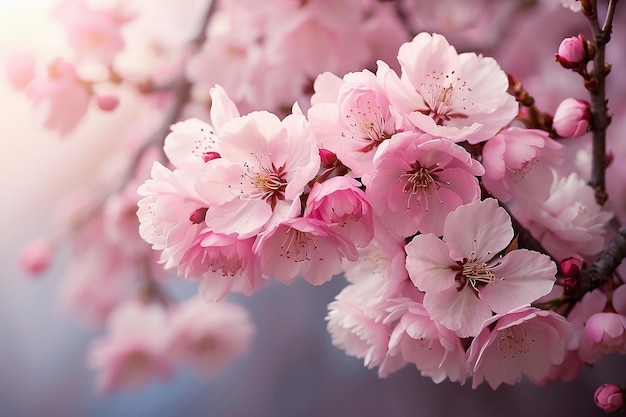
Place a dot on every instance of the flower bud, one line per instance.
(571, 119)
(609, 397)
(327, 157)
(107, 102)
(571, 52)
(37, 256)
(571, 267)
(21, 70)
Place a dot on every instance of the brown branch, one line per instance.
(603, 267)
(600, 118)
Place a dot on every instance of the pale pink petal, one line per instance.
(429, 264)
(460, 311)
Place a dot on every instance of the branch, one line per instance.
(600, 118)
(602, 268)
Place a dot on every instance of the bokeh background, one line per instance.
(292, 370)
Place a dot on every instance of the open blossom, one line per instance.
(569, 222)
(527, 341)
(60, 97)
(355, 122)
(209, 335)
(94, 34)
(134, 351)
(604, 330)
(356, 325)
(417, 180)
(264, 166)
(463, 276)
(446, 94)
(172, 215)
(435, 350)
(303, 246)
(517, 162)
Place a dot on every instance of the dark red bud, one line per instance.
(198, 215)
(209, 156)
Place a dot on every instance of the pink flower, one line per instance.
(303, 246)
(172, 219)
(356, 325)
(36, 257)
(609, 397)
(517, 161)
(94, 34)
(450, 95)
(265, 165)
(569, 222)
(134, 352)
(356, 122)
(342, 205)
(435, 350)
(209, 335)
(571, 52)
(572, 118)
(464, 278)
(60, 97)
(604, 332)
(417, 180)
(527, 341)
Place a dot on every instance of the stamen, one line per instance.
(422, 180)
(297, 245)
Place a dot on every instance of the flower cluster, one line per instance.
(474, 240)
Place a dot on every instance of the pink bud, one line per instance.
(571, 52)
(571, 119)
(107, 102)
(609, 397)
(328, 158)
(198, 215)
(21, 70)
(209, 156)
(37, 256)
(571, 267)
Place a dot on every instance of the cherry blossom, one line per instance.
(342, 205)
(265, 165)
(59, 97)
(518, 161)
(134, 352)
(463, 275)
(435, 350)
(417, 180)
(209, 335)
(446, 94)
(526, 341)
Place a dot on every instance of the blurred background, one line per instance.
(292, 369)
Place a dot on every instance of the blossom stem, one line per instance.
(600, 118)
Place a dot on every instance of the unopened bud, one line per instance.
(36, 257)
(198, 215)
(21, 70)
(107, 102)
(328, 158)
(609, 397)
(572, 52)
(209, 156)
(572, 118)
(571, 267)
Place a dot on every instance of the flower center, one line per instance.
(445, 97)
(298, 245)
(515, 341)
(420, 182)
(263, 181)
(480, 273)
